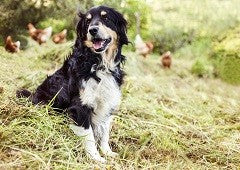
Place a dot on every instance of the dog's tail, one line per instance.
(23, 93)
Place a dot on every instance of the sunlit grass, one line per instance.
(168, 118)
(206, 18)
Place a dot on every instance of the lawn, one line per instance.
(168, 119)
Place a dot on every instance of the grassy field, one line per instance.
(168, 119)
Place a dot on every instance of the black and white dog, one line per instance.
(88, 83)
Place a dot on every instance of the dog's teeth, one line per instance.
(102, 43)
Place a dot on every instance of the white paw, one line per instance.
(97, 157)
(110, 153)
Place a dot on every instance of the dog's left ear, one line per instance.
(81, 29)
(122, 29)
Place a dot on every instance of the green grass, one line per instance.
(205, 18)
(226, 57)
(176, 24)
(168, 119)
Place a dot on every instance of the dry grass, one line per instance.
(168, 118)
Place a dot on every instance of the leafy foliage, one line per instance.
(58, 25)
(130, 8)
(177, 24)
(16, 14)
(226, 56)
(171, 39)
(200, 68)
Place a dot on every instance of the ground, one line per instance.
(168, 119)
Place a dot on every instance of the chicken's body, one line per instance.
(41, 36)
(167, 60)
(11, 46)
(143, 48)
(60, 37)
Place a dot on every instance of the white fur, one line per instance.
(104, 97)
(89, 142)
(104, 142)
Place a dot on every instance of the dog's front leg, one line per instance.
(104, 140)
(89, 142)
(81, 114)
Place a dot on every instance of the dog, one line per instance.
(87, 86)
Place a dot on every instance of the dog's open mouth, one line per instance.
(100, 44)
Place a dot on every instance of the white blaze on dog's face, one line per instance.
(101, 41)
(102, 31)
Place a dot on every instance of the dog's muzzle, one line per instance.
(93, 30)
(99, 43)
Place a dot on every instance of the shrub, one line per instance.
(230, 68)
(201, 68)
(16, 14)
(57, 24)
(226, 56)
(171, 39)
(129, 8)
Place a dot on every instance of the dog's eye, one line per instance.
(88, 21)
(105, 17)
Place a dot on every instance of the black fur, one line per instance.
(64, 84)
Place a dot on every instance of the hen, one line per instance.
(39, 35)
(11, 46)
(143, 48)
(60, 37)
(167, 60)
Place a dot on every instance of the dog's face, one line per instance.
(102, 28)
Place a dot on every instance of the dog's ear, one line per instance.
(81, 28)
(122, 29)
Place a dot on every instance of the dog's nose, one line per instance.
(93, 31)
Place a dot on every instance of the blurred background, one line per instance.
(180, 104)
(202, 30)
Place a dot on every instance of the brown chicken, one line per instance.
(11, 46)
(143, 48)
(39, 35)
(167, 59)
(1, 90)
(60, 37)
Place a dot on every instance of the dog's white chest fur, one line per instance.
(103, 96)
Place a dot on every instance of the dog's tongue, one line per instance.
(97, 45)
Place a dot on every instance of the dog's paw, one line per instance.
(100, 159)
(111, 154)
(97, 158)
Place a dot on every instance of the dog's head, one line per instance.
(102, 29)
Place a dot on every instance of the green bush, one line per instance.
(171, 39)
(201, 68)
(16, 14)
(129, 8)
(57, 24)
(226, 56)
(230, 68)
(199, 48)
